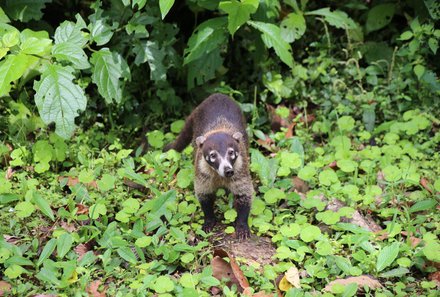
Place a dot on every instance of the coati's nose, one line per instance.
(229, 172)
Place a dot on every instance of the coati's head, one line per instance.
(221, 150)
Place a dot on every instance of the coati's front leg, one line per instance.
(207, 203)
(242, 204)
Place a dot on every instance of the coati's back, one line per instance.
(217, 111)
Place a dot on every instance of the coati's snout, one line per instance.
(220, 151)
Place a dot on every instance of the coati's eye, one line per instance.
(212, 155)
(231, 152)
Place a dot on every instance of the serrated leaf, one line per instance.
(271, 35)
(58, 99)
(238, 12)
(207, 37)
(64, 244)
(293, 27)
(108, 68)
(70, 32)
(337, 18)
(100, 31)
(47, 251)
(149, 51)
(43, 205)
(68, 51)
(25, 10)
(165, 6)
(203, 69)
(127, 254)
(11, 69)
(423, 205)
(387, 256)
(379, 16)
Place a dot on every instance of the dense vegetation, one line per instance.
(342, 102)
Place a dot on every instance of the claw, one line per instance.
(242, 232)
(208, 225)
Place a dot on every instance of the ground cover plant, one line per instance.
(342, 103)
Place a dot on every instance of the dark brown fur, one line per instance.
(218, 120)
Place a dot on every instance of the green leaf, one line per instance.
(293, 27)
(24, 209)
(143, 241)
(11, 69)
(419, 70)
(108, 68)
(231, 215)
(328, 177)
(177, 126)
(70, 32)
(127, 254)
(407, 35)
(47, 251)
(207, 37)
(58, 99)
(184, 178)
(100, 31)
(430, 250)
(131, 205)
(347, 165)
(155, 138)
(25, 10)
(96, 210)
(14, 271)
(423, 205)
(204, 68)
(43, 205)
(387, 256)
(379, 16)
(149, 51)
(346, 123)
(163, 284)
(307, 173)
(187, 258)
(7, 198)
(3, 17)
(310, 233)
(274, 195)
(392, 173)
(337, 18)
(238, 12)
(165, 6)
(107, 182)
(271, 35)
(64, 244)
(71, 52)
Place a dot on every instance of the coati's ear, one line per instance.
(237, 136)
(200, 140)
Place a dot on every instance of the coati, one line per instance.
(217, 130)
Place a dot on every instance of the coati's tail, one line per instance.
(184, 138)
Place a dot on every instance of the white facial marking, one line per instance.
(232, 153)
(212, 156)
(224, 163)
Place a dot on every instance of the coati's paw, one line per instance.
(208, 225)
(242, 232)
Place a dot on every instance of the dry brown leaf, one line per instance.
(425, 184)
(11, 239)
(247, 292)
(72, 181)
(9, 173)
(93, 289)
(290, 129)
(82, 209)
(45, 295)
(4, 287)
(435, 276)
(223, 269)
(68, 227)
(414, 240)
(81, 249)
(292, 276)
(300, 185)
(363, 280)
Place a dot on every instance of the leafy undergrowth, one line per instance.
(332, 202)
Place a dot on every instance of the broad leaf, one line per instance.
(293, 27)
(207, 37)
(71, 52)
(71, 32)
(271, 36)
(25, 10)
(337, 18)
(127, 254)
(379, 16)
(149, 51)
(11, 69)
(64, 244)
(47, 251)
(43, 205)
(387, 256)
(165, 6)
(58, 99)
(203, 69)
(238, 12)
(108, 69)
